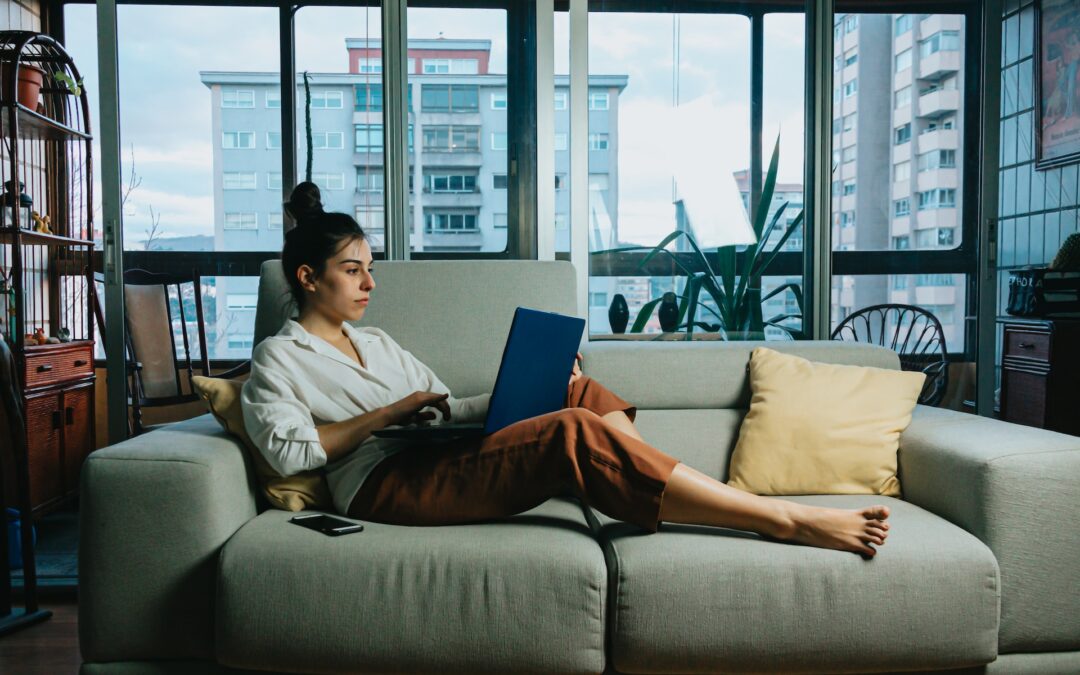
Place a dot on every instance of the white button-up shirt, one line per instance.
(299, 381)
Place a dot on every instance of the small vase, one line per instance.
(668, 312)
(618, 314)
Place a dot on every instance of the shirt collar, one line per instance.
(292, 330)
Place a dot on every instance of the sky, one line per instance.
(166, 117)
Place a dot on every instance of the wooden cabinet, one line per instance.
(1040, 374)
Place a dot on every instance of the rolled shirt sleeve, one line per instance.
(278, 422)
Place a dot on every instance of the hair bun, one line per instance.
(305, 203)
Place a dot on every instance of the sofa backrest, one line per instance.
(453, 315)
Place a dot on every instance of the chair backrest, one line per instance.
(913, 333)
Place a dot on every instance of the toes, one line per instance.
(865, 550)
(873, 539)
(876, 532)
(875, 512)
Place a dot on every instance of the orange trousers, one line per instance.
(523, 465)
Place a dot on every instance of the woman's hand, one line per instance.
(407, 410)
(577, 368)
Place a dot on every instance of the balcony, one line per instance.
(938, 103)
(937, 178)
(934, 23)
(940, 139)
(453, 199)
(939, 64)
(935, 295)
(458, 239)
(446, 158)
(936, 218)
(900, 226)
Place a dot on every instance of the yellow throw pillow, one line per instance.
(305, 490)
(818, 428)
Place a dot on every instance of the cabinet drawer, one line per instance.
(1023, 397)
(1027, 345)
(59, 365)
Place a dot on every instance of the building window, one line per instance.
(273, 98)
(935, 236)
(369, 97)
(274, 221)
(851, 58)
(903, 60)
(238, 180)
(436, 66)
(498, 181)
(273, 140)
(598, 299)
(901, 171)
(902, 24)
(942, 41)
(449, 98)
(452, 139)
(851, 87)
(847, 219)
(242, 302)
(942, 198)
(902, 134)
(901, 207)
(451, 66)
(945, 236)
(899, 282)
(598, 141)
(836, 126)
(273, 181)
(498, 101)
(838, 62)
(450, 222)
(849, 154)
(369, 138)
(849, 187)
(241, 221)
(560, 142)
(329, 181)
(937, 159)
(903, 97)
(934, 280)
(598, 100)
(849, 122)
(328, 140)
(238, 140)
(560, 100)
(835, 193)
(498, 140)
(364, 65)
(370, 220)
(450, 182)
(851, 22)
(237, 98)
(241, 341)
(500, 221)
(327, 100)
(901, 243)
(369, 179)
(560, 181)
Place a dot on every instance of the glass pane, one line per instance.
(457, 85)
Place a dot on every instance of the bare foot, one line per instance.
(842, 529)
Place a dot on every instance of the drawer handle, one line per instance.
(44, 368)
(1026, 345)
(79, 363)
(69, 415)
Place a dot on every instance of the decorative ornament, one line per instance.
(40, 337)
(669, 312)
(618, 314)
(41, 223)
(63, 334)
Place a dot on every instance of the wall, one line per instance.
(25, 15)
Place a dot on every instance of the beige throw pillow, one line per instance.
(305, 490)
(818, 428)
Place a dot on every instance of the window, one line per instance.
(901, 243)
(903, 60)
(499, 220)
(328, 140)
(902, 24)
(464, 67)
(498, 181)
(498, 140)
(239, 302)
(851, 87)
(902, 134)
(238, 140)
(899, 282)
(847, 219)
(369, 138)
(598, 299)
(498, 101)
(560, 100)
(849, 154)
(241, 221)
(369, 97)
(835, 192)
(849, 187)
(560, 181)
(901, 207)
(371, 220)
(946, 84)
(560, 221)
(273, 140)
(838, 62)
(937, 159)
(273, 181)
(452, 138)
(326, 100)
(560, 142)
(849, 122)
(945, 236)
(851, 58)
(329, 181)
(369, 179)
(903, 97)
(901, 171)
(598, 141)
(369, 65)
(450, 182)
(449, 98)
(238, 180)
(241, 341)
(837, 32)
(851, 22)
(273, 98)
(274, 221)
(925, 238)
(438, 221)
(598, 100)
(836, 126)
(237, 98)
(941, 198)
(934, 280)
(942, 41)
(436, 66)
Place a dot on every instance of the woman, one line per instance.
(320, 387)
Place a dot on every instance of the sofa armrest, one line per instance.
(154, 512)
(1018, 490)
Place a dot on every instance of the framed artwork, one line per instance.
(1057, 83)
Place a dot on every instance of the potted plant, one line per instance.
(29, 85)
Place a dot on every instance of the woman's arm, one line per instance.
(341, 438)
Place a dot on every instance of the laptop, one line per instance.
(537, 361)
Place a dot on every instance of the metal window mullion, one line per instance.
(395, 128)
(545, 129)
(757, 104)
(579, 150)
(817, 245)
(287, 95)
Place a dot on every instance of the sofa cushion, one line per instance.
(521, 594)
(703, 439)
(695, 599)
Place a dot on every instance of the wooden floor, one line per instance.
(45, 648)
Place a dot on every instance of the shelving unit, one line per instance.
(45, 156)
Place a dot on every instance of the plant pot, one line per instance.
(29, 85)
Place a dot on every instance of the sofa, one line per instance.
(183, 570)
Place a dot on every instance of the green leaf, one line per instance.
(685, 300)
(767, 189)
(643, 315)
(780, 244)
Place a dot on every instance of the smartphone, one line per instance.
(328, 525)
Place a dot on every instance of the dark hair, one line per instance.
(317, 237)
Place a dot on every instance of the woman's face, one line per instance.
(342, 292)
